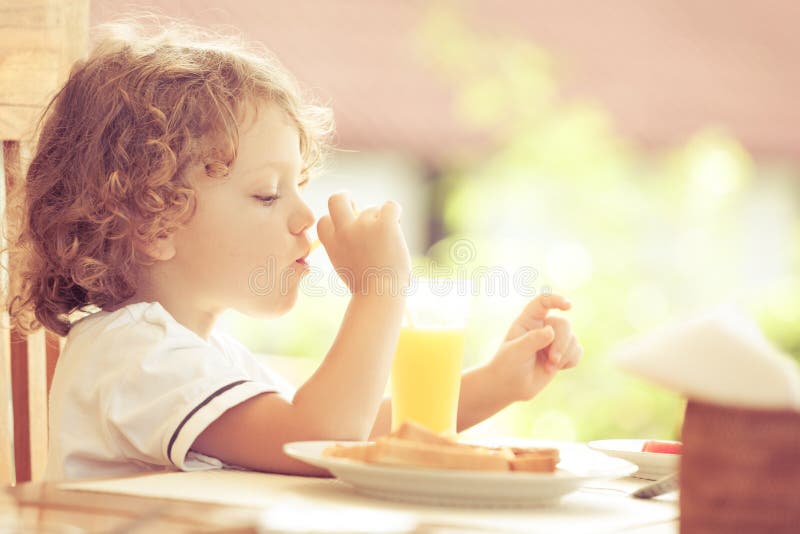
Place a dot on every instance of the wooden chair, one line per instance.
(39, 41)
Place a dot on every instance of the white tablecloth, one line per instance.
(599, 507)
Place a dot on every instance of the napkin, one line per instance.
(720, 356)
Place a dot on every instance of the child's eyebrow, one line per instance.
(275, 165)
(286, 168)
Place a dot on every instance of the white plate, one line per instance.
(652, 465)
(578, 466)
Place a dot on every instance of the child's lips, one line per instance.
(301, 264)
(304, 258)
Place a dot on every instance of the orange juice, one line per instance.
(426, 377)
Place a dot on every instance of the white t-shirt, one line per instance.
(134, 388)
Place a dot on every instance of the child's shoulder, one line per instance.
(139, 317)
(138, 328)
(143, 327)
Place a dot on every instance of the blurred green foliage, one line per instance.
(635, 238)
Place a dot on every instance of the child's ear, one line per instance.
(162, 248)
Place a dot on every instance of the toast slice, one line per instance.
(401, 452)
(414, 445)
(362, 453)
(543, 451)
(535, 459)
(412, 431)
(534, 463)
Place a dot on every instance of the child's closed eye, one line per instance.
(267, 200)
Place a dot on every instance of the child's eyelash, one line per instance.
(270, 199)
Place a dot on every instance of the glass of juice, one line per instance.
(426, 372)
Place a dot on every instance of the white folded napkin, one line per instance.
(720, 357)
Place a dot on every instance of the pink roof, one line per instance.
(662, 68)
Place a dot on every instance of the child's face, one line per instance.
(240, 248)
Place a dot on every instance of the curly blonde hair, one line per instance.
(109, 169)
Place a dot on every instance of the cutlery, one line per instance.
(659, 487)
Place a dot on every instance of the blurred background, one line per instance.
(641, 158)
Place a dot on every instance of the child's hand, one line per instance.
(367, 249)
(536, 347)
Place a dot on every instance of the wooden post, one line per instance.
(7, 472)
(38, 45)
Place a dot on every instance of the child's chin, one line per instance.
(271, 309)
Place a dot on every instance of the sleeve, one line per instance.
(162, 398)
(256, 366)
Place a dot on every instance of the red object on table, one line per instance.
(665, 447)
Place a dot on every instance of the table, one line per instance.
(237, 501)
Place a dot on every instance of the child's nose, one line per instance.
(302, 219)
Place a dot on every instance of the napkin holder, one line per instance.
(740, 470)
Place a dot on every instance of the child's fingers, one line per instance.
(549, 366)
(533, 341)
(534, 313)
(574, 354)
(390, 211)
(341, 209)
(538, 307)
(370, 213)
(557, 351)
(325, 229)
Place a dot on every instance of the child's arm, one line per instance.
(341, 400)
(518, 371)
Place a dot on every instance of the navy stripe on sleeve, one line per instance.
(211, 397)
